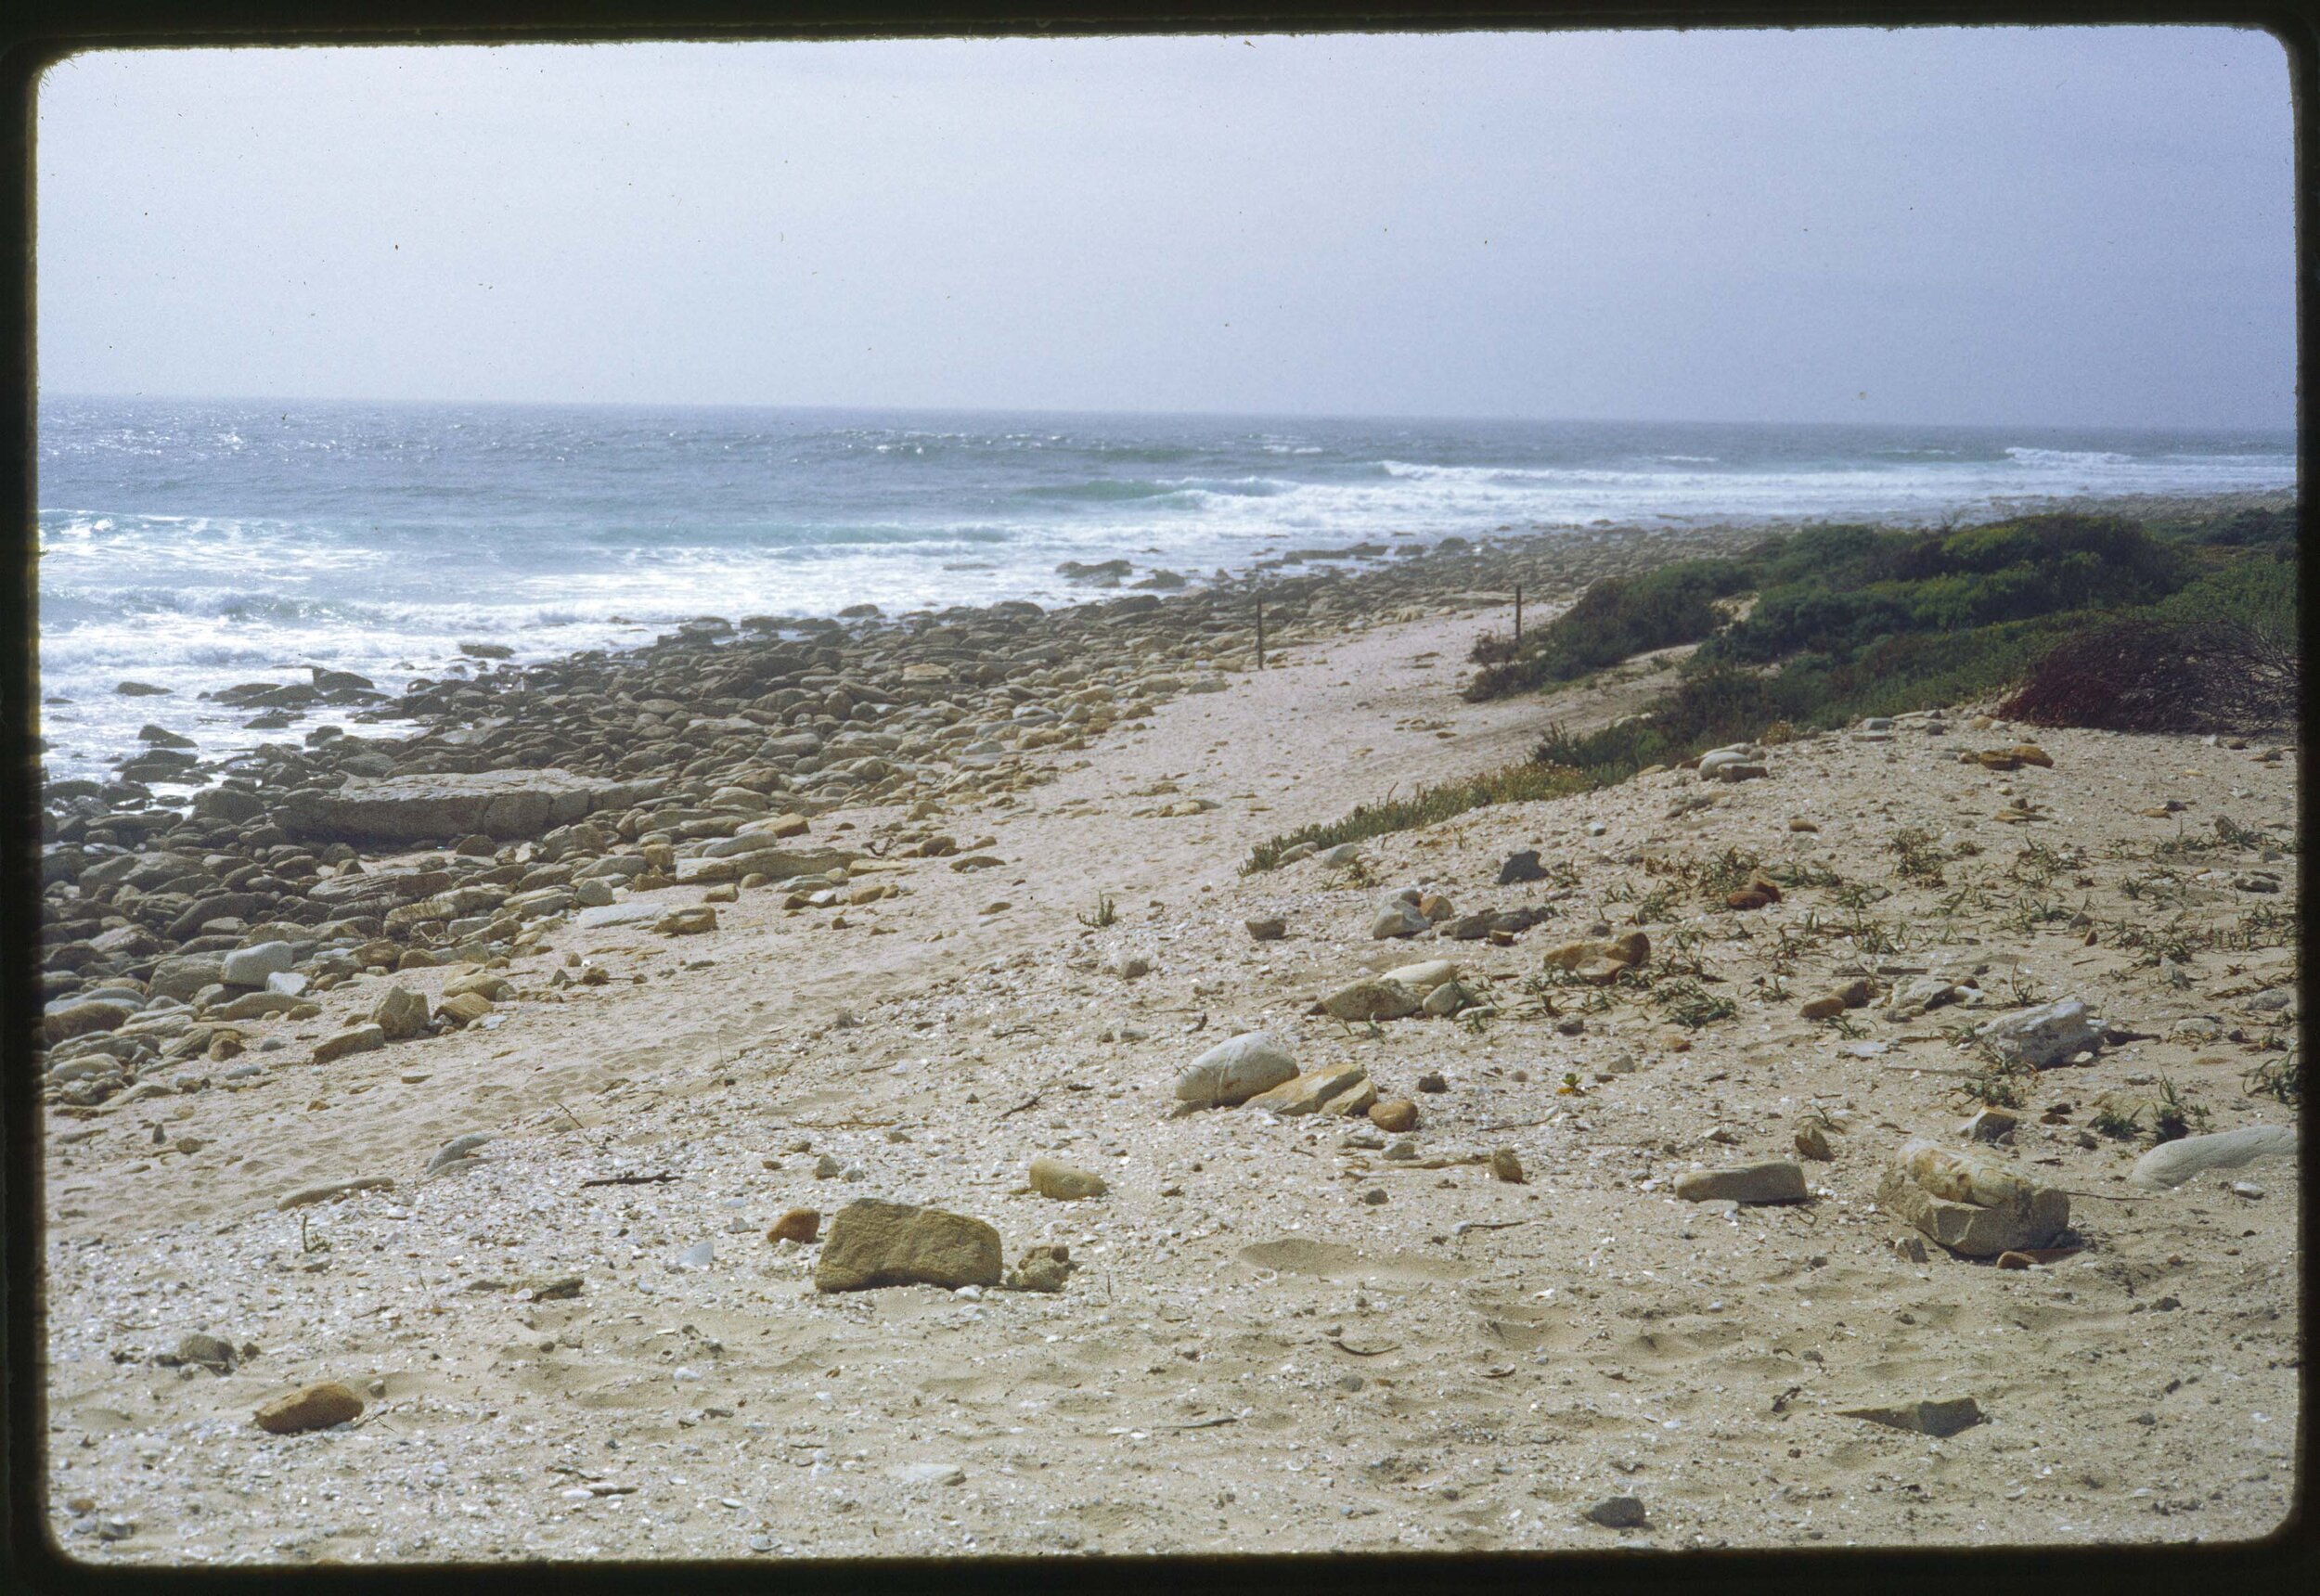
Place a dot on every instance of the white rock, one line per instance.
(2045, 1035)
(1236, 1069)
(929, 1474)
(1423, 978)
(250, 966)
(2173, 1163)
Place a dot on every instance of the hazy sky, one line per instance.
(2005, 225)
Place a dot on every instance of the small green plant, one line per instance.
(2121, 1124)
(1845, 1026)
(1995, 1085)
(1918, 855)
(1691, 1004)
(2171, 1117)
(1658, 904)
(1107, 913)
(2282, 1077)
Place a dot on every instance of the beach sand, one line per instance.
(1277, 1338)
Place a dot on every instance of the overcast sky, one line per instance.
(2003, 225)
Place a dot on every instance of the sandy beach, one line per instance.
(903, 905)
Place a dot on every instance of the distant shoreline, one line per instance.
(1367, 579)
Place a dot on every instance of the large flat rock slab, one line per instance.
(506, 804)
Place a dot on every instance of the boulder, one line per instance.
(1628, 950)
(504, 804)
(1053, 1178)
(1776, 1181)
(250, 966)
(183, 976)
(876, 1243)
(1522, 867)
(1423, 978)
(71, 1019)
(799, 1225)
(1236, 1069)
(1314, 1091)
(1370, 999)
(355, 1040)
(1394, 1114)
(1400, 918)
(400, 1013)
(314, 1407)
(2173, 1163)
(2045, 1035)
(1971, 1202)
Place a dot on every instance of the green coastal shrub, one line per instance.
(1850, 621)
(1615, 619)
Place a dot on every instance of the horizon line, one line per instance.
(2290, 428)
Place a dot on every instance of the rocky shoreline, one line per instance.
(560, 788)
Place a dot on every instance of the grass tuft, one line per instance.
(1428, 806)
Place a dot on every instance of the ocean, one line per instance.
(196, 543)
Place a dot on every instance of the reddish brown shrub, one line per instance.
(2192, 676)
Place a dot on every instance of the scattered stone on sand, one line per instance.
(400, 1013)
(316, 1407)
(355, 1040)
(1398, 917)
(1522, 867)
(1970, 1201)
(1988, 1125)
(1236, 1069)
(1506, 1166)
(1268, 930)
(2043, 1036)
(1041, 1268)
(1774, 1181)
(1394, 1115)
(799, 1225)
(691, 922)
(873, 1243)
(1371, 998)
(306, 1194)
(458, 1150)
(1812, 1142)
(1619, 1512)
(1935, 1419)
(1336, 1089)
(1065, 1182)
